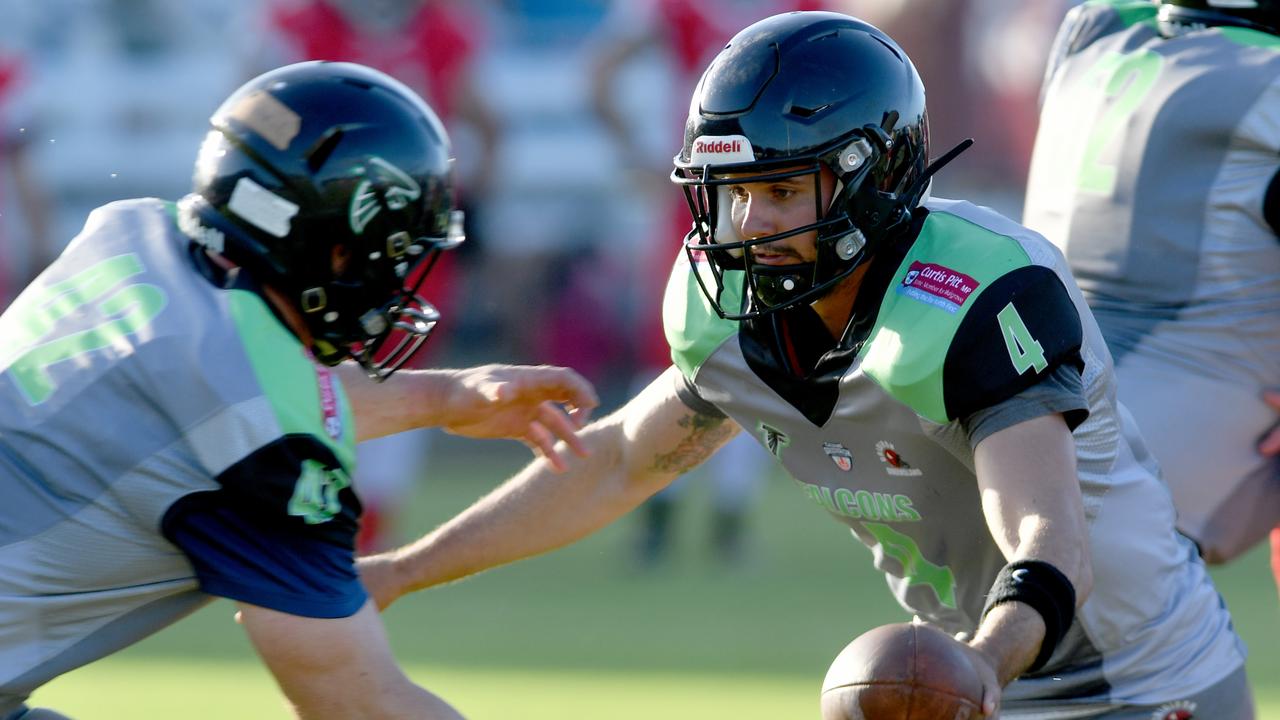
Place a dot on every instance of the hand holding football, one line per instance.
(902, 671)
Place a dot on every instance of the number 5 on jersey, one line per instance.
(38, 312)
(1025, 351)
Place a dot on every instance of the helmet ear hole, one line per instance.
(398, 244)
(340, 259)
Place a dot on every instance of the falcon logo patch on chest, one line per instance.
(774, 439)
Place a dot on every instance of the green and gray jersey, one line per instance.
(969, 326)
(1150, 171)
(163, 438)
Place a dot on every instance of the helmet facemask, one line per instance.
(373, 312)
(857, 210)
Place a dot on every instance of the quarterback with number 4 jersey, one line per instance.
(928, 373)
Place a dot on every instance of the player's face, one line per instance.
(760, 209)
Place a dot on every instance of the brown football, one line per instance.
(902, 671)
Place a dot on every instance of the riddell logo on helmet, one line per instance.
(715, 149)
(717, 146)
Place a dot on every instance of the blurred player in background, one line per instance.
(20, 189)
(431, 46)
(1157, 171)
(688, 33)
(179, 409)
(925, 369)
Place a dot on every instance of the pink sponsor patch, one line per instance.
(937, 285)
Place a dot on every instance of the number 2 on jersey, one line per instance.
(127, 310)
(1126, 80)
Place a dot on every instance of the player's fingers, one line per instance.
(554, 418)
(543, 443)
(498, 391)
(559, 384)
(1272, 398)
(991, 690)
(1275, 555)
(579, 392)
(990, 701)
(581, 415)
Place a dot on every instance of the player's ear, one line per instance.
(340, 259)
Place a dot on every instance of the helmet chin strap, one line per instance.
(775, 285)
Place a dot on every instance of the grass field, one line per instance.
(582, 634)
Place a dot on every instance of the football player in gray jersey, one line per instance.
(925, 369)
(182, 390)
(1157, 171)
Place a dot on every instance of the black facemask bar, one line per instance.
(399, 329)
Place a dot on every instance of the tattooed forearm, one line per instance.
(706, 435)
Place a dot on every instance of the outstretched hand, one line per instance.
(379, 574)
(992, 691)
(537, 405)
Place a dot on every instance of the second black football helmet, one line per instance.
(790, 96)
(331, 182)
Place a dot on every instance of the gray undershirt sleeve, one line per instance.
(1061, 391)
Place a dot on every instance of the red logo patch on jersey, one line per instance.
(894, 464)
(937, 285)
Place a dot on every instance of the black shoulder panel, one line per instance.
(1019, 329)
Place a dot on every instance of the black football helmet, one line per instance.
(333, 183)
(1261, 15)
(788, 96)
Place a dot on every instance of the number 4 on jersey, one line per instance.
(1025, 351)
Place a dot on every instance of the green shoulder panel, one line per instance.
(951, 263)
(692, 327)
(1251, 38)
(288, 377)
(1131, 12)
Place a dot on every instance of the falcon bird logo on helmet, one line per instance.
(400, 191)
(790, 96)
(318, 162)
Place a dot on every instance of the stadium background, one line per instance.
(106, 99)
